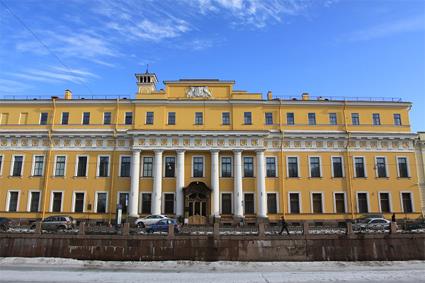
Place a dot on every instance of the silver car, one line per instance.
(149, 220)
(55, 223)
(372, 224)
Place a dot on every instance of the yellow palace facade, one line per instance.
(201, 150)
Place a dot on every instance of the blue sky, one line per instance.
(328, 48)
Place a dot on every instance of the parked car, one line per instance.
(4, 223)
(372, 224)
(55, 223)
(148, 220)
(415, 225)
(162, 226)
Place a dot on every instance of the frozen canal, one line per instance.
(68, 270)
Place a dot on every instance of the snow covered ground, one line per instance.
(69, 270)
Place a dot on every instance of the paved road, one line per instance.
(64, 271)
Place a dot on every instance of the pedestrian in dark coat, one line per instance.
(284, 225)
(393, 218)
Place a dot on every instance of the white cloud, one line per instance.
(12, 86)
(388, 29)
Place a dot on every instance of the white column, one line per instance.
(215, 207)
(157, 183)
(180, 183)
(135, 178)
(261, 185)
(238, 209)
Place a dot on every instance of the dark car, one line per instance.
(162, 226)
(416, 225)
(55, 223)
(4, 223)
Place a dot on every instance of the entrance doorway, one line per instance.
(197, 203)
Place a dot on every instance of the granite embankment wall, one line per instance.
(210, 248)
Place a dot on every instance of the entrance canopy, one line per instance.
(197, 187)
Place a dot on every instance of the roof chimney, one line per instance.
(68, 94)
(269, 95)
(305, 96)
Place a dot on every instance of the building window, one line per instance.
(337, 171)
(384, 200)
(199, 118)
(123, 202)
(381, 167)
(103, 166)
(312, 118)
(170, 166)
(403, 170)
(293, 167)
(271, 203)
(65, 117)
(407, 202)
(226, 203)
(169, 203)
(57, 202)
(249, 203)
(128, 118)
(376, 119)
(225, 118)
(78, 202)
(34, 202)
(332, 119)
(86, 118)
(355, 119)
(38, 166)
(147, 166)
(269, 118)
(397, 120)
(82, 166)
(125, 166)
(13, 201)
(171, 118)
(1, 164)
(43, 118)
(339, 202)
(107, 117)
(23, 118)
(317, 202)
(290, 118)
(271, 167)
(146, 203)
(294, 203)
(198, 167)
(247, 118)
(315, 171)
(60, 166)
(226, 166)
(17, 166)
(359, 167)
(101, 202)
(149, 118)
(362, 202)
(248, 166)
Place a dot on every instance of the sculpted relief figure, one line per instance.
(198, 91)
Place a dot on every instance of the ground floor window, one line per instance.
(271, 203)
(78, 202)
(294, 203)
(384, 199)
(57, 202)
(169, 203)
(339, 202)
(146, 203)
(407, 202)
(35, 202)
(249, 203)
(317, 202)
(101, 202)
(123, 201)
(226, 203)
(13, 201)
(362, 202)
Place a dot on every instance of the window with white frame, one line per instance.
(226, 203)
(381, 167)
(146, 203)
(385, 202)
(199, 118)
(34, 205)
(1, 164)
(125, 166)
(292, 165)
(247, 118)
(363, 202)
(290, 118)
(226, 166)
(248, 202)
(198, 166)
(355, 119)
(56, 202)
(268, 116)
(406, 198)
(376, 119)
(123, 199)
(107, 118)
(103, 167)
(169, 203)
(397, 119)
(403, 167)
(65, 118)
(13, 201)
(17, 167)
(43, 118)
(86, 118)
(170, 166)
(317, 202)
(248, 166)
(294, 203)
(101, 202)
(271, 171)
(225, 118)
(339, 202)
(312, 118)
(128, 118)
(271, 203)
(315, 171)
(79, 201)
(171, 118)
(332, 119)
(149, 118)
(60, 163)
(38, 165)
(82, 162)
(337, 167)
(359, 167)
(147, 166)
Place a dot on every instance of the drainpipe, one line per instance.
(347, 161)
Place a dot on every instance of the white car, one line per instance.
(149, 220)
(372, 224)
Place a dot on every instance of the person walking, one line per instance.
(284, 226)
(393, 218)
